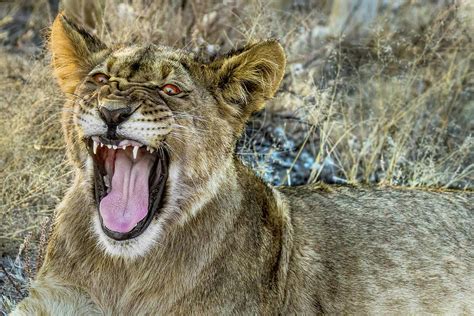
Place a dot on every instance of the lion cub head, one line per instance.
(152, 129)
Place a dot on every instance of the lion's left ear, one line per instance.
(248, 77)
(75, 52)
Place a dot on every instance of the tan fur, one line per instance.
(71, 55)
(225, 242)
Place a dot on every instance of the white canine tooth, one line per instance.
(124, 146)
(101, 145)
(109, 146)
(135, 152)
(114, 147)
(94, 146)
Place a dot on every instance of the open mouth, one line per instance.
(129, 184)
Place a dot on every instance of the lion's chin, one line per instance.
(133, 248)
(129, 185)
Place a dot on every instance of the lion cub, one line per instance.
(162, 218)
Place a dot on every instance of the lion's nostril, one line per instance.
(115, 116)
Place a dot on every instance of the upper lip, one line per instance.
(118, 143)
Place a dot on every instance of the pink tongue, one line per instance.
(127, 202)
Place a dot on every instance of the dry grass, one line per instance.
(393, 104)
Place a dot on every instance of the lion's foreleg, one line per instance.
(49, 297)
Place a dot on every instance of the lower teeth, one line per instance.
(107, 183)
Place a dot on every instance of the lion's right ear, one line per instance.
(75, 52)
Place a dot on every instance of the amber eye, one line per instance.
(100, 78)
(171, 89)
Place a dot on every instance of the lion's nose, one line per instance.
(115, 116)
